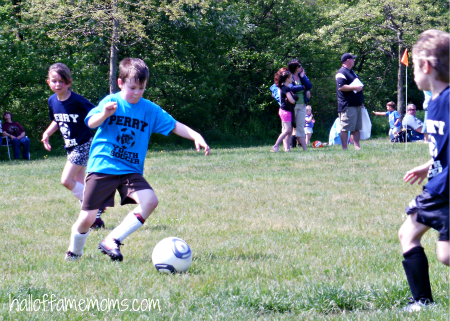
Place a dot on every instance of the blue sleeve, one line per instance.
(98, 109)
(164, 123)
(296, 88)
(306, 83)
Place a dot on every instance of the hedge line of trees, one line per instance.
(211, 62)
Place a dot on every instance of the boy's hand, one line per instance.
(418, 173)
(200, 142)
(109, 108)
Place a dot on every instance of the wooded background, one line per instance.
(211, 62)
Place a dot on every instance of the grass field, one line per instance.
(288, 236)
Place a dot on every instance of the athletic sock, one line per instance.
(131, 223)
(100, 212)
(78, 191)
(416, 269)
(77, 241)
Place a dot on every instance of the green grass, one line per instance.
(288, 236)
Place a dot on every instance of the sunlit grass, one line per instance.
(288, 236)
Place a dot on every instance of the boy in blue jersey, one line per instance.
(125, 122)
(431, 208)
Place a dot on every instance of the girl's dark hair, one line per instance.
(133, 68)
(281, 76)
(63, 71)
(293, 65)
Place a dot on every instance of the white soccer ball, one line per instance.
(172, 255)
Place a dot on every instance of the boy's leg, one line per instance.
(415, 263)
(16, 147)
(443, 252)
(25, 142)
(147, 202)
(80, 232)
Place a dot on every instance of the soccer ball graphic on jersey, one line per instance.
(126, 138)
(65, 131)
(172, 255)
(317, 144)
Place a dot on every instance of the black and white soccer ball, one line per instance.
(172, 255)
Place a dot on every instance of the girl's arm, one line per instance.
(418, 173)
(186, 132)
(97, 119)
(53, 127)
(290, 98)
(308, 118)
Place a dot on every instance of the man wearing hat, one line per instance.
(350, 100)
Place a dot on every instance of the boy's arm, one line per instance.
(53, 127)
(97, 119)
(186, 132)
(379, 113)
(418, 173)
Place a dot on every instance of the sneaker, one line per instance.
(415, 306)
(113, 252)
(99, 224)
(71, 256)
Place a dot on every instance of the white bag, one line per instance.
(366, 125)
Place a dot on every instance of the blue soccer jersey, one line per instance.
(437, 128)
(121, 142)
(69, 115)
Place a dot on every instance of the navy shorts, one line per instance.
(432, 211)
(100, 189)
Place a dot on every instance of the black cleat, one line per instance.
(98, 224)
(71, 256)
(113, 252)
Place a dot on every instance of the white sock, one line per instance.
(77, 241)
(78, 191)
(130, 224)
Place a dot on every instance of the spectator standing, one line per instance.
(349, 90)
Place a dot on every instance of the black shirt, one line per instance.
(345, 76)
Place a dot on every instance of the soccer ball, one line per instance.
(317, 144)
(172, 255)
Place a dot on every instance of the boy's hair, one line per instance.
(391, 104)
(433, 46)
(281, 76)
(293, 65)
(62, 70)
(6, 113)
(308, 107)
(133, 68)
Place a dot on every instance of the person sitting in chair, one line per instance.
(410, 121)
(16, 136)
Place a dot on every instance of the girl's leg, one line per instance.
(443, 251)
(287, 131)
(415, 263)
(73, 179)
(308, 138)
(302, 141)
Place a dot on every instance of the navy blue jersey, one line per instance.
(437, 128)
(69, 115)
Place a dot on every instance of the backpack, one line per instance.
(402, 136)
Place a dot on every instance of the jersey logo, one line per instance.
(126, 138)
(65, 131)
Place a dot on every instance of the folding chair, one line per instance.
(5, 143)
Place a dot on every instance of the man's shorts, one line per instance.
(432, 211)
(99, 189)
(351, 119)
(79, 155)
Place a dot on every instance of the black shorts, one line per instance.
(100, 189)
(432, 211)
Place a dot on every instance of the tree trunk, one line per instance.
(113, 53)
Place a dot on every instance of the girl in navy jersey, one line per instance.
(287, 102)
(67, 111)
